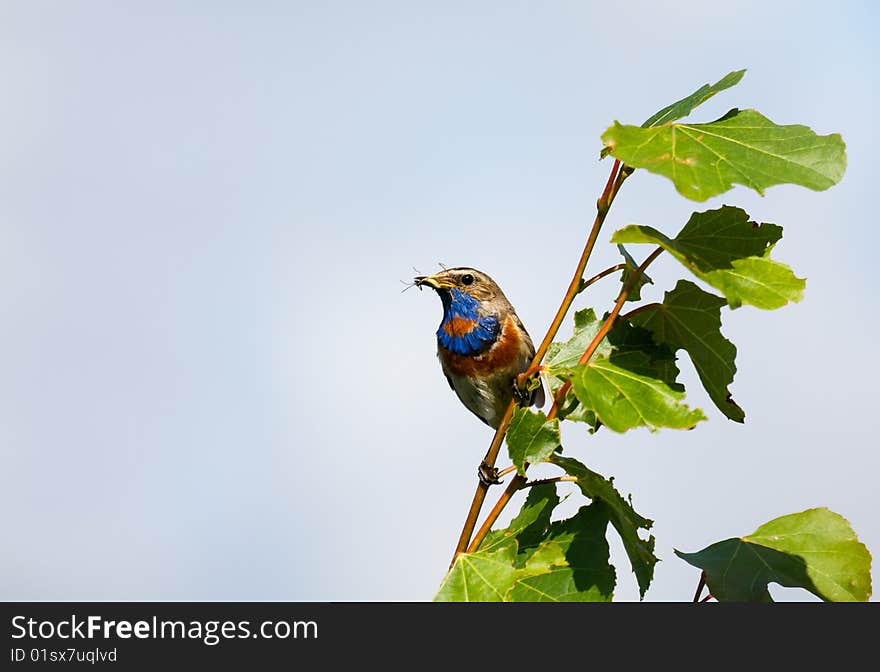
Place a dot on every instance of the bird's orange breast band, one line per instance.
(459, 326)
(501, 355)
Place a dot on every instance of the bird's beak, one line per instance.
(433, 281)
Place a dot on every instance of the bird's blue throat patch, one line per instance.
(463, 330)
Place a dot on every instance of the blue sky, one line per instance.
(213, 387)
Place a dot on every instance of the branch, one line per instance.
(612, 186)
(602, 274)
(606, 327)
(515, 485)
(519, 481)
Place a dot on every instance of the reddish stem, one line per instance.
(514, 484)
(612, 186)
(605, 328)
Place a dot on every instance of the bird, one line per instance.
(482, 344)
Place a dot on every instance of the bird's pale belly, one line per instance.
(487, 397)
(484, 383)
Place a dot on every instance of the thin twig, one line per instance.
(515, 484)
(640, 309)
(602, 274)
(555, 479)
(506, 470)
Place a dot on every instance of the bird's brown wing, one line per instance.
(449, 380)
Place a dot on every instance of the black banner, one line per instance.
(172, 635)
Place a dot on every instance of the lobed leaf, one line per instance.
(815, 549)
(623, 398)
(485, 576)
(690, 319)
(534, 560)
(571, 565)
(531, 523)
(743, 147)
(634, 349)
(621, 515)
(729, 252)
(531, 437)
(625, 345)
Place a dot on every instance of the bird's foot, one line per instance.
(524, 386)
(488, 475)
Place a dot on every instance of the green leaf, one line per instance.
(634, 348)
(711, 239)
(743, 147)
(531, 437)
(484, 576)
(685, 106)
(622, 516)
(816, 550)
(635, 292)
(624, 398)
(536, 560)
(531, 523)
(563, 357)
(571, 565)
(627, 346)
(729, 252)
(487, 575)
(566, 355)
(690, 319)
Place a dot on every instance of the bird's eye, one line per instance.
(467, 279)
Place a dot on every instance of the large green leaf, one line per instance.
(623, 398)
(571, 565)
(685, 106)
(484, 576)
(634, 348)
(530, 525)
(626, 346)
(726, 250)
(690, 318)
(816, 550)
(534, 560)
(743, 147)
(622, 516)
(531, 437)
(487, 575)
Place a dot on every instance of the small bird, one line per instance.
(481, 343)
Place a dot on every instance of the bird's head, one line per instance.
(474, 308)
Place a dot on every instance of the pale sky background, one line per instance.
(211, 384)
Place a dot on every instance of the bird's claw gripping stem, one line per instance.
(524, 388)
(488, 475)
